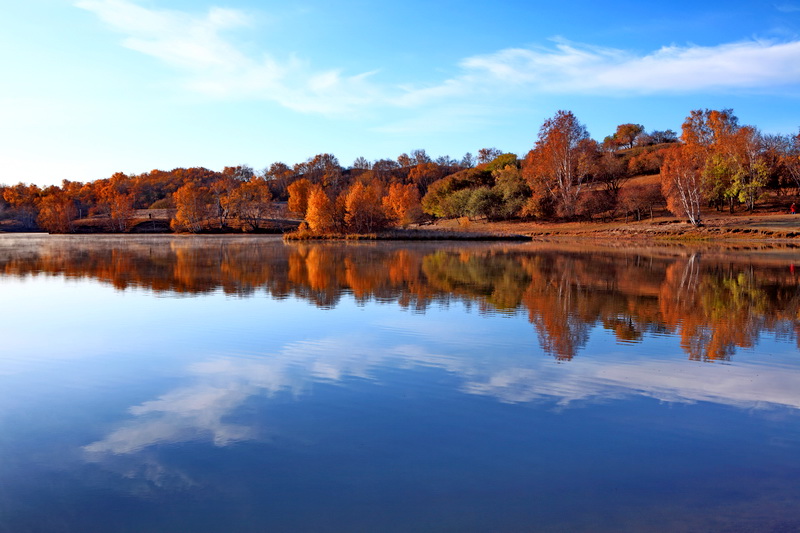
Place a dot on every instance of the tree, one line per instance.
(558, 165)
(22, 199)
(385, 170)
(121, 211)
(626, 134)
(611, 171)
(734, 168)
(486, 155)
(222, 191)
(708, 127)
(682, 181)
(424, 174)
(320, 213)
(116, 197)
(363, 208)
(638, 200)
(404, 161)
(751, 173)
(512, 190)
(56, 212)
(402, 204)
(468, 161)
(323, 169)
(791, 159)
(279, 176)
(299, 193)
(192, 203)
(251, 202)
(240, 173)
(420, 157)
(485, 202)
(661, 137)
(361, 163)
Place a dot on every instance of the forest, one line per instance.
(713, 164)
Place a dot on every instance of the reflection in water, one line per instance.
(291, 397)
(714, 301)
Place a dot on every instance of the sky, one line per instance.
(93, 87)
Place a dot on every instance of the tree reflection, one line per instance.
(715, 302)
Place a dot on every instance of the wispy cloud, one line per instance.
(214, 65)
(199, 46)
(787, 7)
(571, 68)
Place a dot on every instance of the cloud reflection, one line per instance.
(221, 385)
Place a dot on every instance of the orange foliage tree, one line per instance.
(192, 203)
(252, 202)
(299, 193)
(558, 165)
(682, 181)
(320, 213)
(22, 199)
(363, 208)
(402, 204)
(57, 212)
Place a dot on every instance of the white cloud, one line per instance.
(570, 68)
(201, 409)
(213, 64)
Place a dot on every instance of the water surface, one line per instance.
(241, 384)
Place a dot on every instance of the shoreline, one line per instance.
(738, 227)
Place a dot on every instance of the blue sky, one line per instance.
(92, 87)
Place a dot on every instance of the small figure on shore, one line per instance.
(793, 209)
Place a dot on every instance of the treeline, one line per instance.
(714, 305)
(713, 164)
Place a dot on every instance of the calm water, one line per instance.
(240, 384)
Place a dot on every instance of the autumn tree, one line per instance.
(56, 211)
(611, 172)
(734, 169)
(223, 200)
(626, 134)
(363, 207)
(116, 197)
(320, 213)
(401, 204)
(386, 170)
(790, 159)
(323, 169)
(404, 160)
(639, 200)
(299, 192)
(486, 155)
(279, 176)
(121, 211)
(682, 181)
(251, 202)
(192, 203)
(424, 174)
(559, 164)
(23, 199)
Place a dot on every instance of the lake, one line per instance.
(242, 384)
